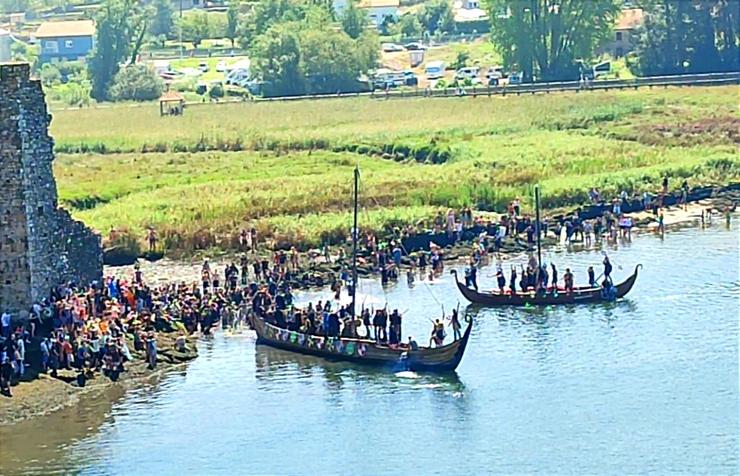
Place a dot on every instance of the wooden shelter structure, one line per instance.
(171, 103)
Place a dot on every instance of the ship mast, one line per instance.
(537, 226)
(354, 241)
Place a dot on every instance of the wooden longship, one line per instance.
(363, 351)
(580, 294)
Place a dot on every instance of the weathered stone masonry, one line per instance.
(41, 246)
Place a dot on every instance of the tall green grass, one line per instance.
(286, 168)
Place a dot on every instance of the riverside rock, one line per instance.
(40, 244)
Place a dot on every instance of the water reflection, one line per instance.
(274, 364)
(41, 444)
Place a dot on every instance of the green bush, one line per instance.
(50, 75)
(216, 91)
(136, 83)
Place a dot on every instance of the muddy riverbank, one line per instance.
(45, 394)
(318, 273)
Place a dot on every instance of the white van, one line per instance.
(470, 72)
(435, 70)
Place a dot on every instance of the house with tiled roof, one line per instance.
(65, 40)
(624, 37)
(376, 10)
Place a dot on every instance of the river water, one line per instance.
(645, 385)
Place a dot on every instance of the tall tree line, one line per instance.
(688, 36)
(546, 39)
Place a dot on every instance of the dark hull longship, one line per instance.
(363, 351)
(579, 295)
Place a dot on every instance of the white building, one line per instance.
(339, 6)
(468, 10)
(4, 45)
(376, 10)
(185, 5)
(379, 10)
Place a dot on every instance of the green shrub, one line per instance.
(216, 91)
(135, 83)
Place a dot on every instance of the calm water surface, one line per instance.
(645, 385)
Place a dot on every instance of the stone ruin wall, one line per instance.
(41, 246)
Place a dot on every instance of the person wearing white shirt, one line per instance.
(5, 324)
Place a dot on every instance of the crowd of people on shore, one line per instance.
(86, 329)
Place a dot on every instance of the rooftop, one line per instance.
(171, 96)
(58, 29)
(380, 3)
(630, 19)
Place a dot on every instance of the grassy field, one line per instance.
(286, 167)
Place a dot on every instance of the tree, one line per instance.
(437, 15)
(136, 83)
(302, 52)
(270, 12)
(679, 37)
(119, 33)
(547, 39)
(409, 26)
(162, 18)
(277, 55)
(461, 60)
(353, 20)
(332, 60)
(195, 28)
(12, 6)
(50, 75)
(232, 22)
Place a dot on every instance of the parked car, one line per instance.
(170, 75)
(387, 78)
(435, 70)
(515, 78)
(391, 47)
(221, 66)
(410, 78)
(237, 76)
(496, 72)
(469, 73)
(203, 67)
(414, 46)
(602, 69)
